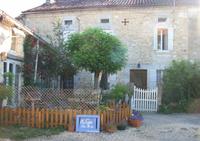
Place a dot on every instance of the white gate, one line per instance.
(145, 100)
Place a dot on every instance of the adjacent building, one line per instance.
(12, 35)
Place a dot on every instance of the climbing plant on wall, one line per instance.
(46, 61)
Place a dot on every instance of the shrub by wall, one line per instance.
(181, 84)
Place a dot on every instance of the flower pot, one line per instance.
(135, 122)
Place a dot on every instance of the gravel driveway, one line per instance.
(157, 127)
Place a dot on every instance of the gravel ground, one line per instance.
(156, 127)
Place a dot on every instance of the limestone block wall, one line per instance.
(137, 35)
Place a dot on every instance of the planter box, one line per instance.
(135, 123)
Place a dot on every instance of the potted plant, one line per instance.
(111, 128)
(136, 119)
(122, 125)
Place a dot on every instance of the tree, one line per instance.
(97, 51)
(46, 61)
(58, 44)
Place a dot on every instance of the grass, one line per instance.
(21, 133)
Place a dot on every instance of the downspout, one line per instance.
(36, 62)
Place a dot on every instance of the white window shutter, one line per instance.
(155, 44)
(171, 38)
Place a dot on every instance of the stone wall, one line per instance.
(137, 35)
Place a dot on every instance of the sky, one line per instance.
(15, 7)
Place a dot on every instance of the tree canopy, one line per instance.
(97, 51)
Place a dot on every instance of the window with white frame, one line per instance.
(163, 39)
(68, 27)
(105, 24)
(68, 24)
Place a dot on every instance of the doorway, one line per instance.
(139, 78)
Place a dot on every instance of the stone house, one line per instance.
(155, 32)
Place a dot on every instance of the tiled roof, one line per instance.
(81, 4)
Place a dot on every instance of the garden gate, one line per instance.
(145, 100)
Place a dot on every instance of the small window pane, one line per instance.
(11, 68)
(162, 39)
(162, 20)
(14, 41)
(104, 20)
(165, 39)
(68, 22)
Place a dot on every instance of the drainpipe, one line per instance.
(36, 62)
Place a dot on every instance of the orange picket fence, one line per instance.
(48, 118)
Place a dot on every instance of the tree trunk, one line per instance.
(1, 102)
(104, 81)
(97, 79)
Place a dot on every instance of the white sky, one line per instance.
(15, 7)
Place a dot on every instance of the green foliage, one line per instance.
(28, 61)
(96, 51)
(5, 92)
(103, 107)
(117, 93)
(22, 133)
(63, 64)
(180, 84)
(9, 76)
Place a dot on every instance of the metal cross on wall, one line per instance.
(125, 21)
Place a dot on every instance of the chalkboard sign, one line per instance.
(87, 123)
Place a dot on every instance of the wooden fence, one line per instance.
(48, 118)
(145, 100)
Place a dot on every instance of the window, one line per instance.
(14, 41)
(11, 67)
(68, 27)
(162, 37)
(162, 20)
(105, 24)
(68, 22)
(159, 75)
(4, 67)
(104, 21)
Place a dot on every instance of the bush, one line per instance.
(5, 92)
(180, 84)
(117, 93)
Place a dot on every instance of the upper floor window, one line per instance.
(68, 23)
(162, 20)
(163, 38)
(105, 24)
(17, 40)
(68, 27)
(14, 41)
(104, 21)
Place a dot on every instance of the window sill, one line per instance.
(163, 51)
